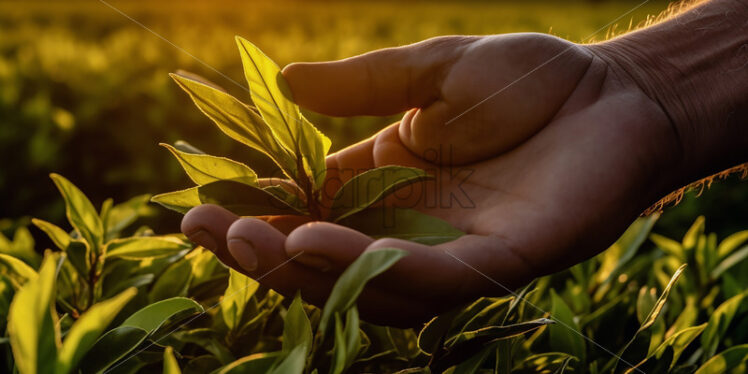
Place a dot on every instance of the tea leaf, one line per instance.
(240, 289)
(80, 212)
(124, 214)
(371, 186)
(669, 246)
(244, 200)
(718, 323)
(725, 361)
(34, 334)
(730, 261)
(173, 282)
(431, 336)
(18, 267)
(679, 342)
(565, 336)
(256, 363)
(135, 248)
(693, 233)
(78, 254)
(111, 347)
(404, 224)
(85, 331)
(153, 316)
(170, 363)
(239, 121)
(297, 329)
(204, 169)
(624, 249)
(179, 201)
(57, 235)
(269, 92)
(491, 333)
(352, 281)
(730, 243)
(293, 363)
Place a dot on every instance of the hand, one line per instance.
(559, 160)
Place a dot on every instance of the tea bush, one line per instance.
(154, 303)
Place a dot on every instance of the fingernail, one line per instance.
(243, 252)
(203, 238)
(318, 262)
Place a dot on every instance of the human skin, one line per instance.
(572, 144)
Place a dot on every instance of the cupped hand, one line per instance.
(543, 154)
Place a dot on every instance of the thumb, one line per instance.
(382, 82)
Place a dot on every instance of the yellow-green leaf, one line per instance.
(239, 121)
(34, 334)
(244, 200)
(203, 169)
(145, 247)
(297, 329)
(18, 267)
(718, 323)
(179, 201)
(241, 288)
(565, 335)
(58, 236)
(154, 315)
(730, 243)
(270, 93)
(86, 330)
(80, 212)
(170, 363)
(669, 246)
(725, 361)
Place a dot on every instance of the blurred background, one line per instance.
(84, 90)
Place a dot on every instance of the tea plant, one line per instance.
(276, 127)
(160, 305)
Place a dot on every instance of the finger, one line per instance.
(206, 225)
(259, 252)
(326, 246)
(382, 82)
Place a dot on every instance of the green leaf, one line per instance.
(170, 363)
(352, 281)
(404, 224)
(725, 361)
(638, 348)
(679, 342)
(645, 302)
(153, 316)
(34, 335)
(297, 330)
(86, 330)
(135, 248)
(78, 254)
(718, 323)
(565, 335)
(431, 336)
(269, 92)
(730, 261)
(352, 335)
(210, 340)
(179, 201)
(669, 246)
(240, 289)
(80, 212)
(111, 347)
(473, 364)
(18, 267)
(293, 363)
(174, 281)
(244, 200)
(693, 233)
(124, 214)
(239, 121)
(204, 169)
(492, 333)
(256, 363)
(730, 243)
(339, 355)
(57, 235)
(371, 186)
(624, 249)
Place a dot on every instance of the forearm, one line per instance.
(695, 65)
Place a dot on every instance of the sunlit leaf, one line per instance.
(204, 169)
(86, 330)
(239, 121)
(730, 243)
(32, 327)
(240, 289)
(371, 186)
(731, 260)
(57, 235)
(134, 248)
(293, 363)
(669, 246)
(725, 361)
(256, 363)
(297, 329)
(170, 363)
(178, 201)
(718, 323)
(18, 267)
(124, 214)
(404, 224)
(270, 93)
(693, 233)
(491, 333)
(565, 335)
(624, 249)
(80, 212)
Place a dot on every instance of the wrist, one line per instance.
(695, 67)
